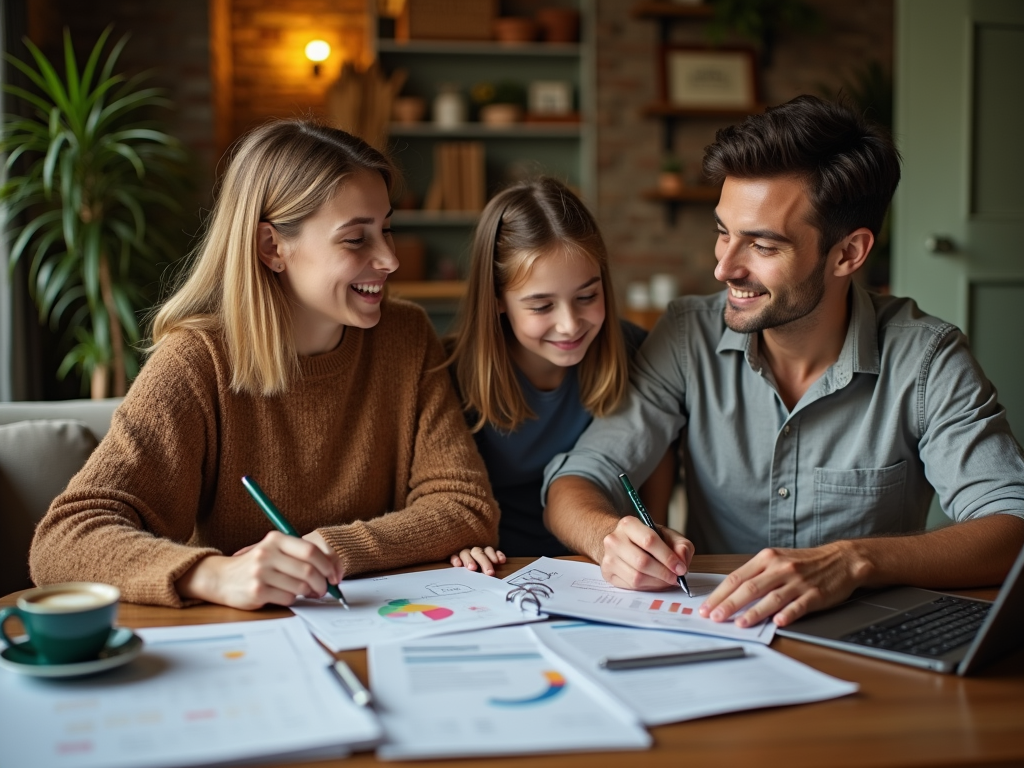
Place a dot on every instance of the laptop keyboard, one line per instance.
(931, 629)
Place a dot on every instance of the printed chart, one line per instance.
(498, 692)
(576, 589)
(409, 605)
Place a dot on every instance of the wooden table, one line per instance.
(900, 716)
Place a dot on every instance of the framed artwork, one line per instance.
(550, 97)
(708, 78)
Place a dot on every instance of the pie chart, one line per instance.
(406, 609)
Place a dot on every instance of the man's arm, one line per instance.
(631, 555)
(788, 583)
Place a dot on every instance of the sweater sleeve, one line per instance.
(125, 518)
(449, 504)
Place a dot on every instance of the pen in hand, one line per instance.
(281, 523)
(645, 518)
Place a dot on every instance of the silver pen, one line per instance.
(353, 686)
(673, 659)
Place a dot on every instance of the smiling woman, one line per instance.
(278, 357)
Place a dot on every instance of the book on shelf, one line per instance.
(459, 178)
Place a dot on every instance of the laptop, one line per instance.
(923, 628)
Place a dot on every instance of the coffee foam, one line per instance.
(68, 600)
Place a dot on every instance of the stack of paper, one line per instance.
(410, 605)
(669, 694)
(495, 692)
(570, 588)
(197, 695)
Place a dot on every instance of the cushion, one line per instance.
(37, 459)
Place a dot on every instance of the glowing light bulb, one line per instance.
(317, 51)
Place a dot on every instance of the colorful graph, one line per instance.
(661, 605)
(556, 684)
(404, 609)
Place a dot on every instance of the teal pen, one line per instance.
(645, 518)
(274, 515)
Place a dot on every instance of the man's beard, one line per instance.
(785, 306)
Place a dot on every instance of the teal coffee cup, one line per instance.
(65, 623)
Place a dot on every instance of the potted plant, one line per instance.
(499, 104)
(670, 178)
(90, 176)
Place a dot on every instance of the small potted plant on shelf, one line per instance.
(670, 179)
(499, 104)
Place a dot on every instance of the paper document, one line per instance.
(197, 695)
(495, 692)
(577, 590)
(410, 605)
(659, 695)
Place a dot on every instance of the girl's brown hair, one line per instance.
(282, 173)
(520, 224)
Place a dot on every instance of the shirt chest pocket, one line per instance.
(852, 503)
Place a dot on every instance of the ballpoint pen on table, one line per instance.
(672, 659)
(641, 512)
(281, 523)
(353, 685)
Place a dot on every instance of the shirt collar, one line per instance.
(860, 349)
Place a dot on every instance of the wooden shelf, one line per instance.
(552, 130)
(661, 109)
(688, 195)
(482, 48)
(670, 10)
(428, 290)
(420, 218)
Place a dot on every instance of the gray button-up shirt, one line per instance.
(904, 409)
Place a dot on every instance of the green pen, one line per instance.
(274, 515)
(645, 518)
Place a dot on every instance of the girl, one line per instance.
(278, 359)
(534, 359)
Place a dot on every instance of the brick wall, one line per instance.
(271, 76)
(255, 55)
(630, 153)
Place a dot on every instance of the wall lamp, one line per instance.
(317, 51)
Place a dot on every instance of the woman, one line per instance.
(278, 358)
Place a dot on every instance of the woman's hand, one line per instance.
(276, 571)
(486, 557)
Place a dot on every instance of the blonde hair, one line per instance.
(519, 225)
(281, 173)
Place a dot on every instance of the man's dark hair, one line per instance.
(850, 165)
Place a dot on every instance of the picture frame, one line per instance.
(550, 97)
(702, 78)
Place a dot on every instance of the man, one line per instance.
(816, 417)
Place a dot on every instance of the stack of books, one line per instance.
(458, 183)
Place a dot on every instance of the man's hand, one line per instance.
(787, 583)
(276, 570)
(635, 557)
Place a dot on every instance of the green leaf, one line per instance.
(29, 230)
(69, 297)
(71, 68)
(52, 84)
(131, 156)
(126, 314)
(21, 93)
(91, 256)
(94, 57)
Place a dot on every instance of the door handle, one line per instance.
(940, 244)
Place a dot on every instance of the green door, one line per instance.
(957, 226)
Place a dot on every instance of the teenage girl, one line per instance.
(277, 358)
(537, 353)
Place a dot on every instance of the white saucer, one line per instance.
(122, 646)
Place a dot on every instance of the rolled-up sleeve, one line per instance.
(970, 455)
(634, 438)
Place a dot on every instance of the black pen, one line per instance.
(641, 512)
(672, 659)
(281, 523)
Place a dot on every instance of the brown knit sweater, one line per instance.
(369, 447)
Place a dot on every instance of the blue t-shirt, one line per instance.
(516, 460)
